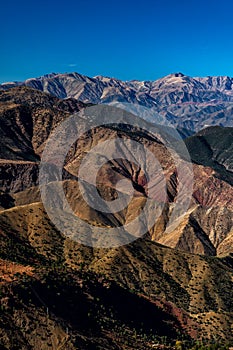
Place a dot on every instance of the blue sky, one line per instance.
(125, 39)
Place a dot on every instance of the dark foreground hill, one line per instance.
(55, 291)
(213, 147)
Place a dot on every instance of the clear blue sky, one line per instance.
(125, 39)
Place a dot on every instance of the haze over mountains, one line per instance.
(186, 102)
(182, 277)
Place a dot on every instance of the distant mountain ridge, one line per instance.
(186, 102)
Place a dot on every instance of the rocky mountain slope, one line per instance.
(186, 102)
(57, 293)
(206, 227)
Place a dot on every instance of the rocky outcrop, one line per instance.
(16, 176)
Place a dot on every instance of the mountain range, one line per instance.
(169, 285)
(185, 102)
